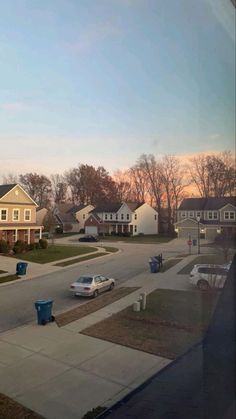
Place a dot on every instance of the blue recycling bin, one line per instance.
(44, 311)
(21, 268)
(154, 266)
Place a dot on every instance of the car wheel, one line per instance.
(203, 285)
(111, 286)
(95, 294)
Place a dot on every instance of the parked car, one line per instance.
(88, 238)
(206, 276)
(92, 285)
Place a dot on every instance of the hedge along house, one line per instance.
(119, 218)
(217, 215)
(17, 215)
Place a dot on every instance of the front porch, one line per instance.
(26, 234)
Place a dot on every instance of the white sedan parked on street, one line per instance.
(91, 285)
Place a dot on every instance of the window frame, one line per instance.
(1, 210)
(18, 212)
(25, 211)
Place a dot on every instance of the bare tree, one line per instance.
(10, 179)
(89, 185)
(213, 175)
(59, 188)
(38, 187)
(123, 186)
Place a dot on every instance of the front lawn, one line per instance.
(216, 258)
(54, 252)
(8, 278)
(142, 238)
(172, 322)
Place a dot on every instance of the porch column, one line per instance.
(116, 228)
(28, 235)
(40, 233)
(16, 234)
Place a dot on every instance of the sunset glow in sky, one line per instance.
(102, 81)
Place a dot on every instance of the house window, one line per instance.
(16, 214)
(3, 214)
(135, 216)
(183, 214)
(27, 215)
(229, 215)
(155, 217)
(105, 216)
(26, 236)
(122, 216)
(135, 229)
(110, 216)
(127, 216)
(84, 216)
(191, 214)
(212, 215)
(198, 214)
(116, 216)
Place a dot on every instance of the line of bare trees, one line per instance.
(163, 182)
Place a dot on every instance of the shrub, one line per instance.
(82, 231)
(20, 246)
(31, 246)
(36, 245)
(59, 230)
(4, 246)
(43, 244)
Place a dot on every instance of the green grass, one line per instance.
(146, 238)
(54, 252)
(71, 262)
(8, 278)
(214, 258)
(169, 264)
(110, 249)
(172, 322)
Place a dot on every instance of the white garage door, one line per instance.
(91, 230)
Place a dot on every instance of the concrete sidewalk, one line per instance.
(61, 373)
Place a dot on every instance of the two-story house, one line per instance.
(126, 217)
(70, 216)
(17, 215)
(211, 215)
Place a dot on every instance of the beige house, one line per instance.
(208, 216)
(17, 215)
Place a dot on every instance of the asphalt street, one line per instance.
(17, 299)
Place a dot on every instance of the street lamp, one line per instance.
(198, 218)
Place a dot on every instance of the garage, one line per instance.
(91, 230)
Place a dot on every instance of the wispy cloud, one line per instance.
(15, 107)
(93, 35)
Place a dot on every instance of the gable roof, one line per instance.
(115, 206)
(134, 205)
(200, 204)
(108, 207)
(4, 189)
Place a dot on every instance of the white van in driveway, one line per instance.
(206, 276)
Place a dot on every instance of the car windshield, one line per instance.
(85, 280)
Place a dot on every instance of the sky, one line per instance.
(101, 82)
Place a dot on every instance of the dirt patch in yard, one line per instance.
(172, 322)
(10, 409)
(93, 305)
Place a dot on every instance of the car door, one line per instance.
(98, 282)
(105, 283)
